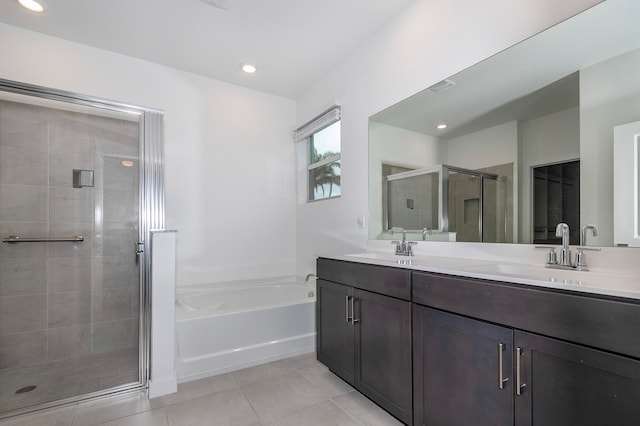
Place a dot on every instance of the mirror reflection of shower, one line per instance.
(447, 203)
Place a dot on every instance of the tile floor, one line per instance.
(295, 391)
(66, 378)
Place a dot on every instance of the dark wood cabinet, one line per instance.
(435, 349)
(365, 337)
(568, 384)
(462, 370)
(334, 340)
(545, 382)
(383, 351)
(552, 381)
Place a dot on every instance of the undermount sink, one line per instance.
(622, 285)
(560, 276)
(420, 260)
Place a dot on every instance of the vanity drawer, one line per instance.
(598, 322)
(385, 280)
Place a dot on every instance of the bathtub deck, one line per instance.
(293, 391)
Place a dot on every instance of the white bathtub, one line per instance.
(224, 327)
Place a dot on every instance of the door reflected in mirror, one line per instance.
(551, 99)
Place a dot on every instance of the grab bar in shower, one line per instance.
(17, 239)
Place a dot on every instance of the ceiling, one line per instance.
(533, 78)
(293, 43)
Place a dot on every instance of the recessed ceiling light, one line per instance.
(248, 68)
(127, 163)
(441, 126)
(32, 5)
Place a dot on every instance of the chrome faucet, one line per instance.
(583, 233)
(565, 262)
(425, 232)
(403, 247)
(562, 230)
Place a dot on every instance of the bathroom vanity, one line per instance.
(434, 343)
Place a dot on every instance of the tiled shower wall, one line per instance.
(66, 300)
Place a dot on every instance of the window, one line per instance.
(322, 138)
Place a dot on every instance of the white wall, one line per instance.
(554, 138)
(230, 170)
(609, 97)
(427, 42)
(485, 148)
(399, 147)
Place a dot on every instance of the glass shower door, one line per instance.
(69, 274)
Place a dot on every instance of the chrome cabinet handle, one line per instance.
(519, 384)
(501, 379)
(346, 307)
(353, 310)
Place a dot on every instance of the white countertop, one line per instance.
(619, 284)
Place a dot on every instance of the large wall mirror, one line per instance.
(508, 148)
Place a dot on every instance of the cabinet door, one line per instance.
(383, 351)
(457, 375)
(568, 384)
(334, 338)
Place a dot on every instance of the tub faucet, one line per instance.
(562, 230)
(583, 234)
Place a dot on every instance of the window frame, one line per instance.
(306, 134)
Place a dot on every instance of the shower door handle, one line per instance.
(139, 247)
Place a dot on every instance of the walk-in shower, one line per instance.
(80, 187)
(457, 203)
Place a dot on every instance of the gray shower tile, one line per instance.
(23, 203)
(115, 271)
(59, 417)
(281, 396)
(119, 238)
(228, 407)
(69, 342)
(109, 336)
(102, 411)
(113, 304)
(119, 206)
(22, 313)
(22, 276)
(23, 167)
(71, 205)
(118, 177)
(31, 250)
(22, 349)
(25, 131)
(62, 165)
(70, 134)
(69, 273)
(69, 308)
(71, 249)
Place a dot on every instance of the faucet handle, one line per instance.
(581, 258)
(552, 257)
(409, 249)
(398, 246)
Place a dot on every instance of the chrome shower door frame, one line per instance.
(150, 216)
